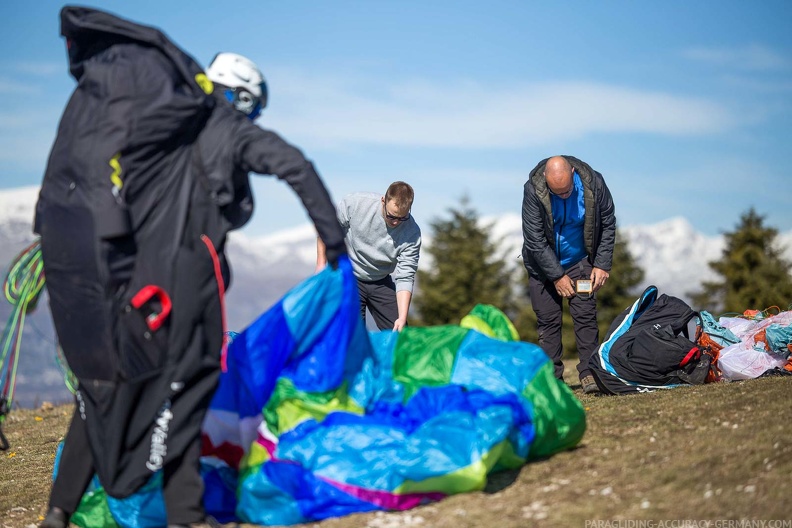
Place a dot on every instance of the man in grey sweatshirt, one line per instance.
(384, 244)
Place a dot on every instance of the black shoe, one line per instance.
(56, 518)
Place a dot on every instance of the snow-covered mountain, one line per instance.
(263, 270)
(672, 253)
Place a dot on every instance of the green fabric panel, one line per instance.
(93, 511)
(508, 459)
(500, 327)
(288, 407)
(558, 415)
(425, 356)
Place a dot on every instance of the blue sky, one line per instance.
(685, 107)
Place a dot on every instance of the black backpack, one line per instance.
(649, 346)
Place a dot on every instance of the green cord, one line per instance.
(22, 288)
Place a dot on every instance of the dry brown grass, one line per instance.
(26, 468)
(712, 452)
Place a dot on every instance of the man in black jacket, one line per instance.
(147, 175)
(569, 229)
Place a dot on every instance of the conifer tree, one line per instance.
(525, 320)
(620, 290)
(467, 268)
(753, 274)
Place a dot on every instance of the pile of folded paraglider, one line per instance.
(315, 417)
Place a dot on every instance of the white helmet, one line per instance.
(245, 84)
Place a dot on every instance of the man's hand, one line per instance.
(321, 255)
(564, 287)
(598, 278)
(399, 324)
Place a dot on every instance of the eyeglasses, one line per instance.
(396, 218)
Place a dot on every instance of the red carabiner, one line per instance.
(154, 320)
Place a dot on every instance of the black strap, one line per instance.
(4, 445)
(681, 324)
(4, 408)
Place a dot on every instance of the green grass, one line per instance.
(721, 451)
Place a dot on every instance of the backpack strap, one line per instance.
(680, 325)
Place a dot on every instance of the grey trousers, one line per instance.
(583, 307)
(380, 298)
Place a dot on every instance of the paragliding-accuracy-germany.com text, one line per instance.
(688, 523)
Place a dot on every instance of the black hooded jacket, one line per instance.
(148, 173)
(599, 224)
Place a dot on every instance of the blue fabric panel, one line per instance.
(359, 349)
(440, 430)
(231, 395)
(256, 357)
(144, 509)
(374, 382)
(496, 366)
(324, 312)
(302, 495)
(220, 500)
(257, 490)
(505, 369)
(310, 305)
(778, 337)
(719, 334)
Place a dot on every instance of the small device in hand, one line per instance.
(584, 286)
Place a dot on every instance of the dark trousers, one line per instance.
(549, 311)
(380, 298)
(75, 468)
(182, 489)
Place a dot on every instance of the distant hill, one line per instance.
(673, 254)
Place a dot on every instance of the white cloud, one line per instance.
(765, 86)
(753, 57)
(13, 87)
(15, 83)
(43, 69)
(26, 137)
(331, 112)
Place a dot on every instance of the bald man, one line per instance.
(569, 229)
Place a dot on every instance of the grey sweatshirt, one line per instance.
(376, 249)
